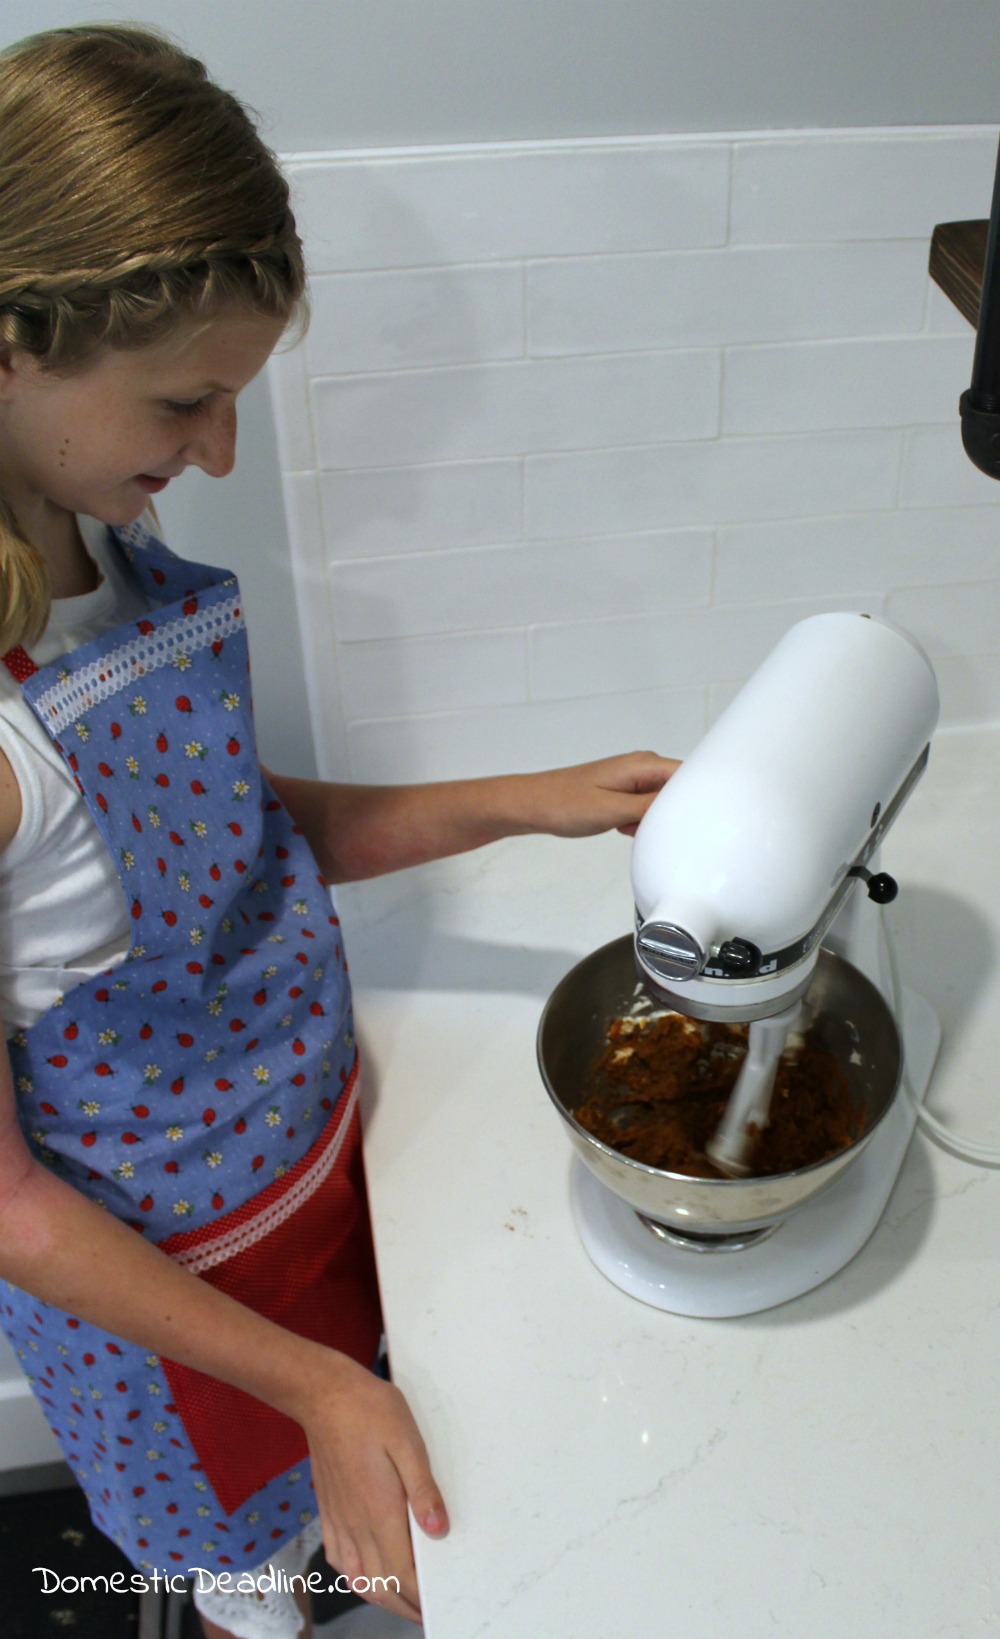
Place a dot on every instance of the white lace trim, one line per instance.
(247, 1234)
(68, 699)
(262, 1613)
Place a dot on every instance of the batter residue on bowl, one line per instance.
(662, 1085)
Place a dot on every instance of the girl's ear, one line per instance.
(14, 365)
(7, 368)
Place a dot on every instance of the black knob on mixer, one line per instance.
(739, 959)
(883, 888)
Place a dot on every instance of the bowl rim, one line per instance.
(643, 1167)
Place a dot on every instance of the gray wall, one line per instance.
(371, 73)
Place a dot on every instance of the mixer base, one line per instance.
(715, 1281)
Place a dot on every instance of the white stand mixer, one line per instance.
(754, 855)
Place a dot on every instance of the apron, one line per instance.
(204, 1090)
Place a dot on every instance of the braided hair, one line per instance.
(135, 194)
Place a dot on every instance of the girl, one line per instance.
(181, 1191)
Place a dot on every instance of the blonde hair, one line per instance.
(134, 194)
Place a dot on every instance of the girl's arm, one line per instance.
(369, 1460)
(358, 831)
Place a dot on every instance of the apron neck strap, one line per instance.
(19, 663)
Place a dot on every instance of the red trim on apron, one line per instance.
(19, 663)
(300, 1253)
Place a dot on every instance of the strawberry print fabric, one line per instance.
(211, 1070)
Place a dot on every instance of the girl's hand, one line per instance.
(369, 1462)
(369, 1458)
(588, 798)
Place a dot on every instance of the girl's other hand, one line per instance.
(369, 1463)
(611, 794)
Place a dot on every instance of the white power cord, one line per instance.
(968, 1149)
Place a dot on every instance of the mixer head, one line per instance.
(749, 852)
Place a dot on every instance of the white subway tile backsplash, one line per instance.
(505, 409)
(521, 739)
(670, 650)
(870, 552)
(943, 317)
(937, 471)
(720, 695)
(579, 430)
(289, 387)
(300, 491)
(420, 509)
(521, 585)
(707, 483)
(950, 620)
(859, 185)
(970, 689)
(781, 293)
(798, 386)
(398, 321)
(416, 675)
(438, 209)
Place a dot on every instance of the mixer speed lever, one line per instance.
(882, 887)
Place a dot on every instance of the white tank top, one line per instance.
(63, 914)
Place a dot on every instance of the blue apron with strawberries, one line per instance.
(204, 1090)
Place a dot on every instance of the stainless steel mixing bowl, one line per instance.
(847, 1015)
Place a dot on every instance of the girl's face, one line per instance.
(103, 439)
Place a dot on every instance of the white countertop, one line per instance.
(829, 1467)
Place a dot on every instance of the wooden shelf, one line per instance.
(958, 254)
